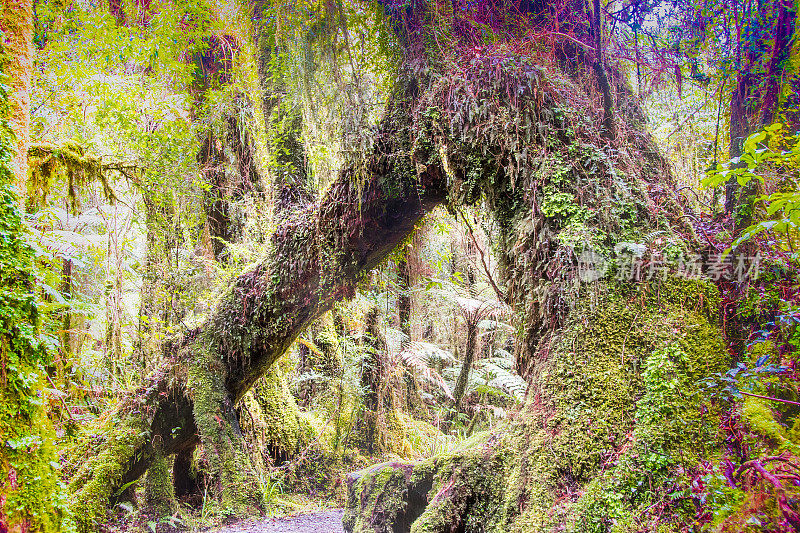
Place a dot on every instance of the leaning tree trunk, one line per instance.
(614, 343)
(316, 257)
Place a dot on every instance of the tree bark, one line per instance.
(783, 34)
(596, 27)
(373, 383)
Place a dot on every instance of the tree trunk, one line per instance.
(739, 131)
(316, 258)
(466, 364)
(783, 34)
(413, 399)
(158, 309)
(16, 23)
(596, 28)
(755, 100)
(28, 480)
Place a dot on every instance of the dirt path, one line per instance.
(329, 521)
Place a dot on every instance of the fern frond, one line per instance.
(418, 355)
(504, 380)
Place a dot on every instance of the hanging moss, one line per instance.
(66, 165)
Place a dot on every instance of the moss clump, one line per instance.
(761, 419)
(460, 491)
(467, 492)
(618, 411)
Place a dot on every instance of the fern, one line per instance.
(490, 326)
(502, 379)
(419, 356)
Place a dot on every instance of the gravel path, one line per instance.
(322, 522)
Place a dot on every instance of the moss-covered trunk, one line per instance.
(27, 477)
(16, 24)
(316, 257)
(615, 340)
(466, 363)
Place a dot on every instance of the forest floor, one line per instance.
(328, 521)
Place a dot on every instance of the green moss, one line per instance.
(467, 492)
(760, 418)
(376, 499)
(794, 432)
(271, 421)
(283, 425)
(158, 488)
(615, 409)
(235, 482)
(460, 490)
(94, 484)
(762, 351)
(68, 166)
(325, 337)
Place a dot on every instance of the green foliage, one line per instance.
(558, 204)
(771, 155)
